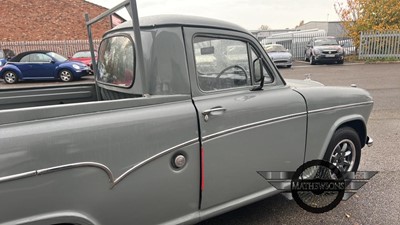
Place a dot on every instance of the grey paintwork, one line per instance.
(110, 161)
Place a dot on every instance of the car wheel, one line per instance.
(289, 66)
(312, 60)
(65, 75)
(340, 61)
(344, 150)
(305, 57)
(10, 77)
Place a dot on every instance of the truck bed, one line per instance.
(43, 96)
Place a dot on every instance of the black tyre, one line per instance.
(312, 60)
(65, 75)
(344, 150)
(340, 61)
(305, 57)
(10, 77)
(289, 66)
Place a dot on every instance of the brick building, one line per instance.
(37, 20)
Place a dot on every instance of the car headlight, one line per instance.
(76, 66)
(1, 63)
(316, 51)
(340, 50)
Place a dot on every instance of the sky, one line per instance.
(250, 14)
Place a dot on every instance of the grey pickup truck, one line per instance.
(183, 113)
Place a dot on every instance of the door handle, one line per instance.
(215, 111)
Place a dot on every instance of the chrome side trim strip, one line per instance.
(250, 125)
(78, 165)
(340, 107)
(18, 176)
(113, 182)
(142, 163)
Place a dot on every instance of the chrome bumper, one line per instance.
(369, 141)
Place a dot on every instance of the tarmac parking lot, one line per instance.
(377, 202)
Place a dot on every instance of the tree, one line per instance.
(368, 15)
(264, 27)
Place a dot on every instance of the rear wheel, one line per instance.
(65, 75)
(10, 77)
(344, 150)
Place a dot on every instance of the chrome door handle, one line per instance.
(215, 111)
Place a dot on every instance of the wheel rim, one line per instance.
(65, 75)
(10, 77)
(343, 155)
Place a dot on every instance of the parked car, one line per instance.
(85, 57)
(42, 65)
(158, 140)
(279, 55)
(324, 49)
(5, 55)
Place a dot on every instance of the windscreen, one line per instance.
(275, 48)
(326, 41)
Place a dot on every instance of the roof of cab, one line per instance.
(181, 20)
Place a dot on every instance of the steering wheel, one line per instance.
(228, 68)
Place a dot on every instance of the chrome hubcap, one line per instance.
(344, 155)
(10, 77)
(65, 76)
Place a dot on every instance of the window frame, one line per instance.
(134, 60)
(249, 46)
(226, 37)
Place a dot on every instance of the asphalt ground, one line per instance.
(378, 201)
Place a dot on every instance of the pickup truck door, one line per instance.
(242, 131)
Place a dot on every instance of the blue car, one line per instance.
(42, 65)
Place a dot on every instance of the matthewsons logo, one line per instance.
(317, 186)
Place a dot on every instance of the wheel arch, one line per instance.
(355, 121)
(359, 126)
(60, 68)
(12, 68)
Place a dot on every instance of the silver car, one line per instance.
(279, 54)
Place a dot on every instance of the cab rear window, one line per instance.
(116, 61)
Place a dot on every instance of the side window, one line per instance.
(260, 67)
(26, 58)
(116, 59)
(221, 63)
(40, 58)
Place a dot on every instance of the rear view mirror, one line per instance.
(258, 74)
(207, 51)
(258, 71)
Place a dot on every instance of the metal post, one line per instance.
(139, 46)
(91, 47)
